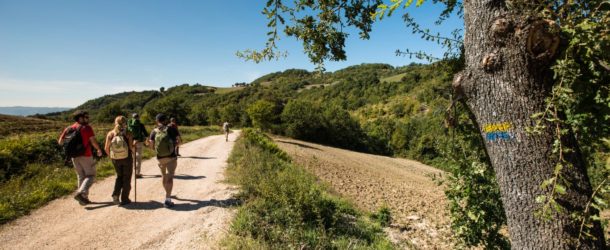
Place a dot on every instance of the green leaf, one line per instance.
(546, 183)
(593, 205)
(560, 189)
(600, 201)
(472, 216)
(558, 168)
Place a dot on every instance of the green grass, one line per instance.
(42, 177)
(286, 208)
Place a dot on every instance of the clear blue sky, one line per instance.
(64, 52)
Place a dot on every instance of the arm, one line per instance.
(96, 146)
(146, 141)
(109, 137)
(151, 140)
(131, 142)
(144, 130)
(60, 140)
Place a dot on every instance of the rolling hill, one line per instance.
(16, 125)
(373, 108)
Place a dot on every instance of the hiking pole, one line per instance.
(135, 179)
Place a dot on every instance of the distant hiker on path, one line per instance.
(226, 127)
(164, 140)
(77, 140)
(139, 133)
(119, 145)
(174, 124)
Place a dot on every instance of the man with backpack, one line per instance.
(77, 140)
(139, 133)
(164, 139)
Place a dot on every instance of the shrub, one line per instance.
(263, 114)
(383, 216)
(285, 208)
(302, 120)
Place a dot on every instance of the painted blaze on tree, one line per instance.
(509, 49)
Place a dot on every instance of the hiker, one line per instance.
(139, 133)
(164, 140)
(119, 145)
(81, 153)
(172, 123)
(226, 128)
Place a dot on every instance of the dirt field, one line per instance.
(199, 219)
(417, 204)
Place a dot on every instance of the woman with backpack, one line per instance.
(118, 147)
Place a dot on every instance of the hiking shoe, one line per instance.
(115, 199)
(168, 204)
(81, 200)
(87, 201)
(125, 202)
(139, 176)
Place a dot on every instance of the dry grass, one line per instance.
(227, 90)
(394, 78)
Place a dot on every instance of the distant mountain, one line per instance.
(25, 111)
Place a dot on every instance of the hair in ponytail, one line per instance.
(119, 124)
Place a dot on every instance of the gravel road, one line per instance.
(199, 219)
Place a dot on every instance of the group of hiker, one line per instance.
(123, 144)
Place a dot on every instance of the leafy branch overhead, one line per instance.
(319, 26)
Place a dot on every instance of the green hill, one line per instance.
(369, 107)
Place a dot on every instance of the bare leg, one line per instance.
(168, 184)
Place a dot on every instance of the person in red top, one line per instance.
(84, 165)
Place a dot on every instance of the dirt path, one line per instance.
(418, 206)
(200, 217)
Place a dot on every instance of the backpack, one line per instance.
(135, 128)
(164, 145)
(119, 148)
(73, 142)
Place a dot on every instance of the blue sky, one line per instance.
(64, 52)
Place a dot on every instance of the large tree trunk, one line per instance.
(505, 82)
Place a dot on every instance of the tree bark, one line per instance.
(506, 80)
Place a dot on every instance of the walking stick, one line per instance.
(135, 179)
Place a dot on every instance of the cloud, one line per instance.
(55, 93)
